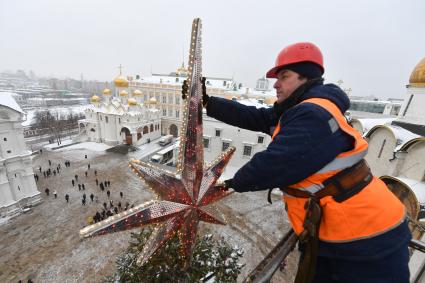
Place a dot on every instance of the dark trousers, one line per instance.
(390, 269)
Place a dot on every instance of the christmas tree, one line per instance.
(212, 261)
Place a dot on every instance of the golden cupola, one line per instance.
(152, 100)
(132, 102)
(137, 92)
(106, 91)
(95, 99)
(123, 93)
(121, 81)
(417, 77)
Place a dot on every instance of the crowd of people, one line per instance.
(90, 195)
(108, 211)
(50, 171)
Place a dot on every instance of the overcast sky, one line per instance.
(371, 45)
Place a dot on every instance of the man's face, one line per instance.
(287, 82)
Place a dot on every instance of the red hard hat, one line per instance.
(296, 53)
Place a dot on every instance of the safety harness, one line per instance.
(341, 187)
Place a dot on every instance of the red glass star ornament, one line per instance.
(185, 196)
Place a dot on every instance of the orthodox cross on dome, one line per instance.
(120, 68)
(186, 196)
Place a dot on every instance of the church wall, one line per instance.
(17, 185)
(20, 173)
(167, 122)
(413, 166)
(11, 140)
(108, 129)
(381, 147)
(6, 196)
(414, 105)
(93, 136)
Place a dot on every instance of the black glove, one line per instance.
(185, 87)
(205, 96)
(228, 184)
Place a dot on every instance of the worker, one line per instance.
(351, 227)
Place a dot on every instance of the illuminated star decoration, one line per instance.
(185, 196)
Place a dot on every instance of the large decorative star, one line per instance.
(185, 196)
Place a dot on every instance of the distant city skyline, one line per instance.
(372, 46)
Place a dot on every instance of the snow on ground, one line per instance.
(4, 220)
(93, 146)
(44, 244)
(55, 145)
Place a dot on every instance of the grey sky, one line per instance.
(372, 45)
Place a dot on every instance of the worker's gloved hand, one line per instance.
(185, 87)
(228, 184)
(205, 97)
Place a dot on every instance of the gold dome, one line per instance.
(132, 102)
(123, 93)
(152, 100)
(121, 81)
(94, 99)
(417, 78)
(106, 91)
(270, 100)
(137, 92)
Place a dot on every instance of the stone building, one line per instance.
(120, 117)
(17, 184)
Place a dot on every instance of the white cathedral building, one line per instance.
(17, 184)
(120, 117)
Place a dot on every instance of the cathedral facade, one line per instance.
(120, 117)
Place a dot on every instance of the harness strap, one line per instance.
(310, 238)
(341, 186)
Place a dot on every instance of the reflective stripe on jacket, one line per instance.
(373, 211)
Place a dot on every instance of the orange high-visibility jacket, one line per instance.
(371, 212)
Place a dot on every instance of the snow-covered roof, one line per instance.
(401, 135)
(252, 92)
(171, 80)
(6, 99)
(369, 123)
(408, 144)
(375, 101)
(253, 102)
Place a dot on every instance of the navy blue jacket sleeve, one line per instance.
(242, 116)
(304, 145)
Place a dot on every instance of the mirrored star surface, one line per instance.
(186, 196)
